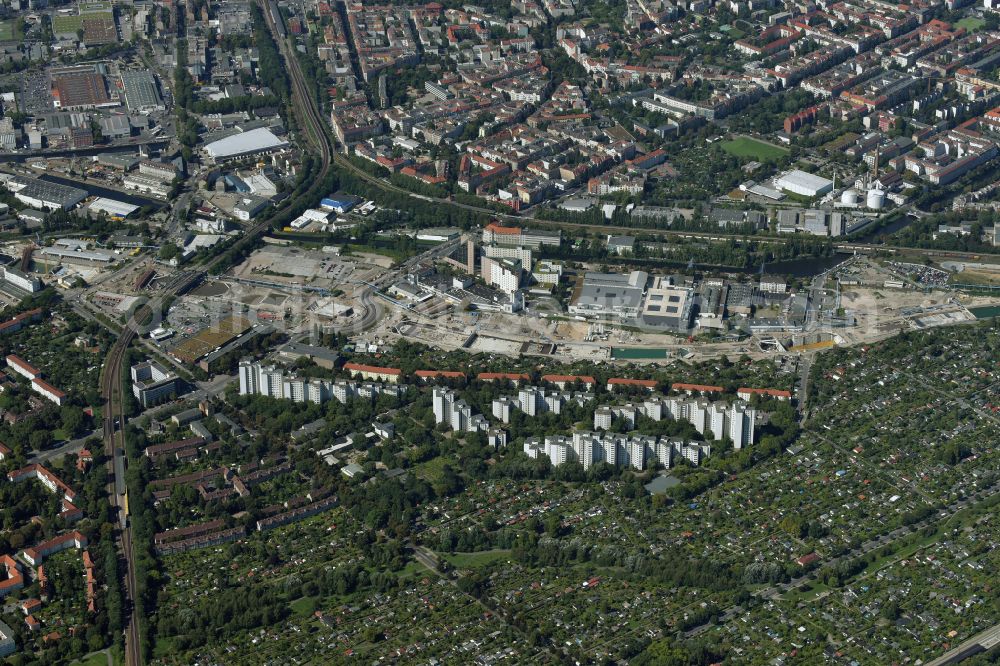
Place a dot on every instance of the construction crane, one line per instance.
(26, 257)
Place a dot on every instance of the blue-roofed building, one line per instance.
(237, 184)
(340, 203)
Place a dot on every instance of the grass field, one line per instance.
(65, 24)
(474, 560)
(303, 606)
(413, 569)
(971, 23)
(7, 29)
(974, 276)
(164, 648)
(743, 146)
(430, 470)
(95, 659)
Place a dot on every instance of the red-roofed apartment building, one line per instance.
(699, 388)
(70, 512)
(427, 375)
(515, 377)
(648, 384)
(497, 233)
(747, 393)
(34, 375)
(22, 367)
(17, 323)
(47, 479)
(36, 556)
(14, 580)
(39, 385)
(374, 372)
(562, 381)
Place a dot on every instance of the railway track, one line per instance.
(114, 447)
(112, 383)
(317, 135)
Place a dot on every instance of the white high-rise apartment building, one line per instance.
(590, 448)
(502, 408)
(248, 379)
(442, 400)
(741, 425)
(528, 400)
(456, 413)
(653, 409)
(584, 449)
(558, 450)
(636, 453)
(294, 389)
(602, 418)
(271, 381)
(716, 421)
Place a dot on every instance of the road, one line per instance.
(806, 359)
(986, 640)
(72, 446)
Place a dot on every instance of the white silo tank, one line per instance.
(876, 199)
(849, 197)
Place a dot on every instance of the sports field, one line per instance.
(743, 146)
(638, 353)
(986, 311)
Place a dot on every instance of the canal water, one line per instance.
(98, 191)
(888, 230)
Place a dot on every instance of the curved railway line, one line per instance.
(313, 126)
(112, 384)
(343, 163)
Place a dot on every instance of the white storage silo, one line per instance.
(876, 199)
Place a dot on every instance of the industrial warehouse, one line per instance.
(43, 194)
(244, 144)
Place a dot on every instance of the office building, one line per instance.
(667, 306)
(504, 274)
(152, 383)
(606, 295)
(22, 280)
